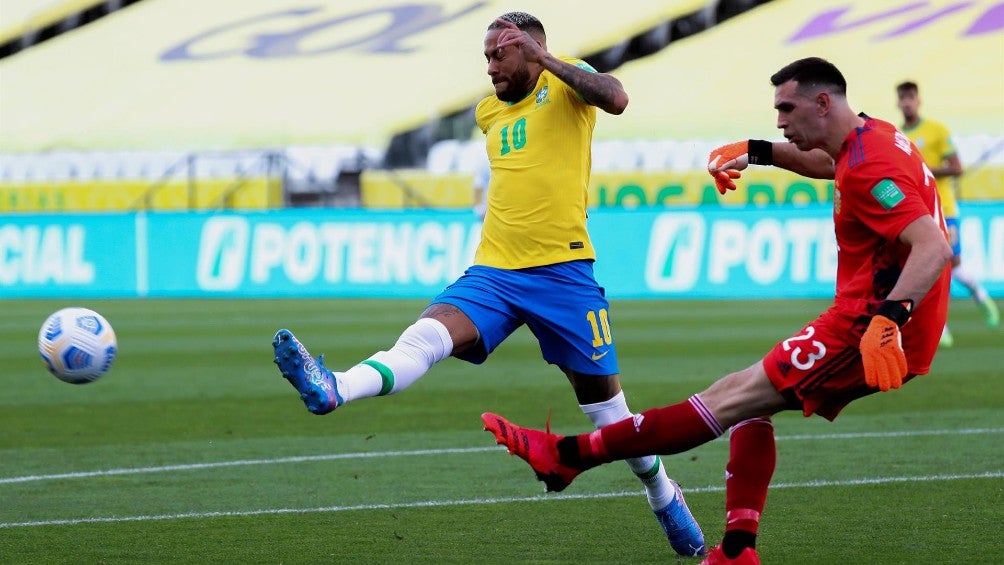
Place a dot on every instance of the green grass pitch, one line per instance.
(194, 450)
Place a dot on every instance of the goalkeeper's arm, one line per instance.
(882, 355)
(929, 253)
(814, 163)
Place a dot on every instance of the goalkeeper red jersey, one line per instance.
(881, 186)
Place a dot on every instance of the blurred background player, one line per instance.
(482, 176)
(892, 266)
(939, 152)
(534, 264)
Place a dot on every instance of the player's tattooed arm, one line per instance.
(599, 89)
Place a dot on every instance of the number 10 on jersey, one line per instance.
(518, 138)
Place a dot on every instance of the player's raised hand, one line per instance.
(512, 35)
(734, 156)
(725, 164)
(725, 180)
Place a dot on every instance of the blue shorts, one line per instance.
(562, 305)
(953, 235)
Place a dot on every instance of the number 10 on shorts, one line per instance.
(600, 322)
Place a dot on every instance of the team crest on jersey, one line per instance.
(542, 96)
(836, 201)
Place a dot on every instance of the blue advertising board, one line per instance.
(67, 255)
(646, 253)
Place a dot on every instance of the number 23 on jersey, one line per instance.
(805, 351)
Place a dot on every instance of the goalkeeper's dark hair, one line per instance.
(525, 22)
(812, 72)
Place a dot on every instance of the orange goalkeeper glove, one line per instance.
(726, 162)
(725, 179)
(882, 346)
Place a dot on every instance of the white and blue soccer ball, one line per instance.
(78, 345)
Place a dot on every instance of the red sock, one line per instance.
(752, 457)
(659, 431)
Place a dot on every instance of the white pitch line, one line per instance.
(243, 462)
(481, 501)
(420, 452)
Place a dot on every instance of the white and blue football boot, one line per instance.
(682, 530)
(316, 384)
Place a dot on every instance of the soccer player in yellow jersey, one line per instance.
(936, 147)
(534, 265)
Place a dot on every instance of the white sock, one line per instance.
(421, 345)
(649, 469)
(975, 288)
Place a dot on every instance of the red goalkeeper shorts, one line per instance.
(819, 368)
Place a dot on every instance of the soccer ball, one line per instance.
(77, 345)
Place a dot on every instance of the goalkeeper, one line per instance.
(882, 330)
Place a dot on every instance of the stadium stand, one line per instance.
(432, 163)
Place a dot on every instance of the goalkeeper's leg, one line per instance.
(752, 458)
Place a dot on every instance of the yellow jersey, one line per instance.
(540, 151)
(935, 145)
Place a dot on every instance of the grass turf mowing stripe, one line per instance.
(421, 452)
(483, 501)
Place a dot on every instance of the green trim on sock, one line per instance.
(651, 472)
(386, 375)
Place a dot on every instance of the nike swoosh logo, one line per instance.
(598, 356)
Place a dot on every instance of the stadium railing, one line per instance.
(60, 181)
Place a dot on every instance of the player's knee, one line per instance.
(742, 395)
(427, 338)
(591, 389)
